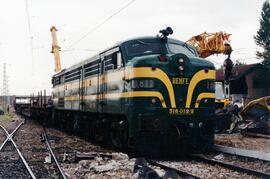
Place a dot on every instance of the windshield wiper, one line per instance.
(141, 42)
(187, 47)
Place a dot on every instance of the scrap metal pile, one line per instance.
(257, 116)
(253, 118)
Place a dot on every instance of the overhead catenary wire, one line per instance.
(72, 36)
(77, 49)
(100, 24)
(30, 33)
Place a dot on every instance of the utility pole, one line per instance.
(5, 89)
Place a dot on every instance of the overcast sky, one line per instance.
(75, 18)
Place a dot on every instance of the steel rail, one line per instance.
(9, 137)
(182, 173)
(230, 166)
(54, 158)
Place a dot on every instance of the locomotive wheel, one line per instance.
(119, 134)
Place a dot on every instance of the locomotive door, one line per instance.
(101, 100)
(81, 90)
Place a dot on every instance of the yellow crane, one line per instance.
(211, 43)
(55, 50)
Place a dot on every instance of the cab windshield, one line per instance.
(184, 48)
(143, 47)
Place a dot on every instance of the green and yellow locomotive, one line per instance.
(151, 94)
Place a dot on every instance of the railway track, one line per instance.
(184, 168)
(237, 168)
(184, 173)
(181, 173)
(52, 154)
(9, 138)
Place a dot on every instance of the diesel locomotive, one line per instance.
(152, 95)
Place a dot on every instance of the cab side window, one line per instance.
(109, 63)
(113, 61)
(119, 60)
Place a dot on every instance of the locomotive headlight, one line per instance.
(153, 100)
(142, 83)
(181, 66)
(181, 60)
(181, 69)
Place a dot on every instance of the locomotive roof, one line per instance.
(118, 44)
